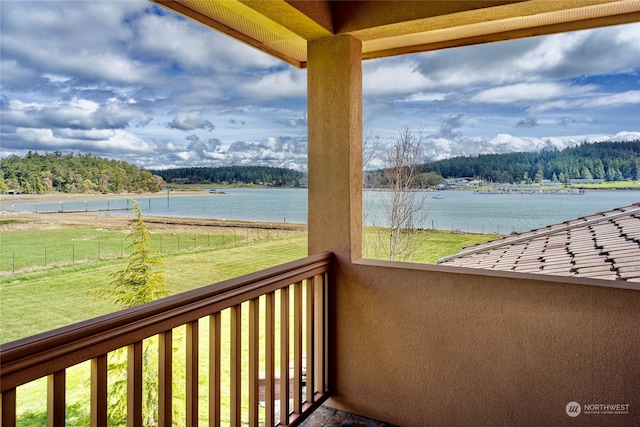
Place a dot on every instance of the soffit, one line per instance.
(282, 28)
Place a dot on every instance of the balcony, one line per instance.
(410, 344)
(289, 384)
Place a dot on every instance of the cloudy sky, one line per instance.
(131, 81)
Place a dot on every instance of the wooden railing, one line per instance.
(287, 308)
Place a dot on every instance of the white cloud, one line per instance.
(284, 84)
(193, 46)
(425, 97)
(190, 121)
(394, 77)
(130, 80)
(525, 92)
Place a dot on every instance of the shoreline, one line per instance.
(13, 220)
(8, 199)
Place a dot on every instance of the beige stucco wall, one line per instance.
(431, 345)
(415, 347)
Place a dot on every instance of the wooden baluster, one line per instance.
(214, 369)
(236, 365)
(165, 379)
(192, 373)
(270, 345)
(99, 391)
(254, 357)
(56, 399)
(297, 348)
(311, 333)
(320, 338)
(8, 408)
(134, 384)
(324, 330)
(284, 356)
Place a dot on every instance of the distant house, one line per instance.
(603, 246)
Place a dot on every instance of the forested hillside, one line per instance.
(82, 173)
(233, 174)
(611, 161)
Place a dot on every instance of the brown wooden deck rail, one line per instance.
(301, 286)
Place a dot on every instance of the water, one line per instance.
(505, 213)
(277, 205)
(456, 210)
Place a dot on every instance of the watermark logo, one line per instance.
(573, 409)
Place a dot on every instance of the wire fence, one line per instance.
(81, 249)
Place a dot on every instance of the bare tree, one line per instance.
(404, 204)
(370, 146)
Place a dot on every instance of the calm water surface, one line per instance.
(504, 213)
(456, 210)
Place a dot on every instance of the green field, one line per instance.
(74, 266)
(38, 249)
(613, 185)
(45, 294)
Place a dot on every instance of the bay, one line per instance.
(505, 213)
(453, 210)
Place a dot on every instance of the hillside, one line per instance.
(68, 173)
(610, 161)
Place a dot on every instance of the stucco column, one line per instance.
(335, 146)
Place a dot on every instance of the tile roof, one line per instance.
(605, 245)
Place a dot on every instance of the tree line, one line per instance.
(68, 173)
(233, 174)
(85, 173)
(609, 161)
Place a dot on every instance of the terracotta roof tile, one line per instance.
(605, 245)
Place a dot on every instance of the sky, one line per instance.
(131, 81)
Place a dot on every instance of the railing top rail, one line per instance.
(33, 357)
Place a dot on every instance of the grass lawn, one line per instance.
(41, 299)
(431, 244)
(69, 287)
(614, 185)
(34, 302)
(69, 245)
(37, 300)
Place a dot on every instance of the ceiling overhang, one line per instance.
(282, 28)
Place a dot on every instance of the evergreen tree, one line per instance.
(136, 284)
